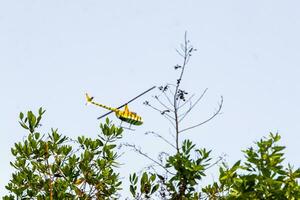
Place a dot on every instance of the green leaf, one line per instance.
(23, 125)
(144, 178)
(37, 135)
(132, 190)
(153, 177)
(21, 115)
(41, 111)
(155, 188)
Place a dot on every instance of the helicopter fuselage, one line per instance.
(124, 115)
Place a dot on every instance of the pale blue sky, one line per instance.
(51, 52)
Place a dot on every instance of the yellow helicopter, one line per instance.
(124, 115)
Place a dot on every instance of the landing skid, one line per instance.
(128, 128)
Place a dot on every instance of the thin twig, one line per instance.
(180, 116)
(213, 116)
(193, 105)
(169, 100)
(164, 114)
(160, 111)
(170, 90)
(179, 52)
(159, 101)
(216, 162)
(147, 168)
(161, 137)
(188, 100)
(170, 133)
(138, 150)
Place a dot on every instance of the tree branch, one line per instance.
(216, 162)
(169, 100)
(162, 113)
(138, 150)
(213, 116)
(186, 50)
(185, 114)
(161, 137)
(159, 101)
(188, 100)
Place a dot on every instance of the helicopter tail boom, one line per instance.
(90, 100)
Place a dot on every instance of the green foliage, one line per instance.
(147, 185)
(188, 171)
(185, 169)
(52, 166)
(261, 176)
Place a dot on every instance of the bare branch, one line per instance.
(170, 90)
(213, 116)
(183, 46)
(178, 103)
(161, 156)
(159, 101)
(191, 107)
(179, 52)
(170, 133)
(179, 116)
(147, 168)
(167, 116)
(177, 88)
(188, 100)
(138, 150)
(216, 162)
(161, 137)
(169, 100)
(164, 92)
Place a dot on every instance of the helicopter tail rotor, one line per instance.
(88, 99)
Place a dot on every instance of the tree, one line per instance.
(186, 168)
(261, 176)
(53, 166)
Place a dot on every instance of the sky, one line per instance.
(52, 52)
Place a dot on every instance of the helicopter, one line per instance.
(124, 115)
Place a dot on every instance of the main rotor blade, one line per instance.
(128, 102)
(105, 115)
